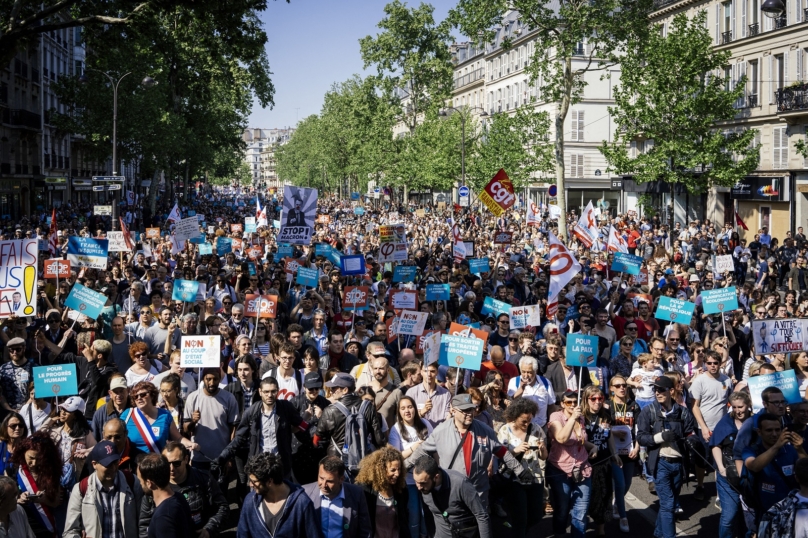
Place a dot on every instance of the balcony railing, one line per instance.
(474, 76)
(754, 29)
(792, 98)
(780, 22)
(726, 37)
(579, 51)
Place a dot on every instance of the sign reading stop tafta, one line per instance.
(57, 268)
(261, 306)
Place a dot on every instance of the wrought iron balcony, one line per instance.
(793, 98)
(780, 22)
(726, 37)
(754, 29)
(467, 79)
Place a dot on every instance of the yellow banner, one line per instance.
(492, 206)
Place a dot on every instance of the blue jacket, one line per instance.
(298, 518)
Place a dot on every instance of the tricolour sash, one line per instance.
(26, 482)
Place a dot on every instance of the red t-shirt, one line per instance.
(507, 369)
(619, 324)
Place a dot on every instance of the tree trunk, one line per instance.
(153, 192)
(561, 116)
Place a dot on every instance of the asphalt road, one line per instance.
(700, 518)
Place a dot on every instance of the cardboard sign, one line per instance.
(57, 268)
(461, 352)
(405, 273)
(205, 249)
(187, 229)
(201, 351)
(238, 244)
(403, 300)
(626, 263)
(18, 277)
(87, 252)
(55, 380)
(292, 265)
(719, 300)
(674, 310)
(356, 298)
(430, 347)
(392, 329)
(523, 317)
(724, 264)
(780, 335)
(322, 249)
(117, 242)
(86, 301)
(185, 290)
(495, 307)
(261, 306)
(503, 238)
(412, 323)
(307, 277)
(419, 342)
(786, 381)
(438, 292)
(479, 266)
(323, 219)
(582, 350)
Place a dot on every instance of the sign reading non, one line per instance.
(201, 351)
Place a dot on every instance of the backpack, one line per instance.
(357, 442)
(130, 480)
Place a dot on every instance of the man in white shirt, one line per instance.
(534, 387)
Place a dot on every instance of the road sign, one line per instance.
(111, 187)
(464, 201)
(102, 210)
(552, 191)
(463, 191)
(109, 178)
(377, 189)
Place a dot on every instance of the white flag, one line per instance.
(458, 246)
(586, 230)
(563, 266)
(616, 242)
(533, 215)
(175, 214)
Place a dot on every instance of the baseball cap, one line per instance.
(463, 402)
(73, 404)
(342, 380)
(663, 382)
(105, 453)
(313, 380)
(117, 383)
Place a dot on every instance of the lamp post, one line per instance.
(445, 113)
(773, 8)
(147, 82)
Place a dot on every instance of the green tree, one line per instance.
(669, 92)
(572, 38)
(302, 153)
(430, 159)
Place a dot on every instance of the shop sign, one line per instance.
(770, 189)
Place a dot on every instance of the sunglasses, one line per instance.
(16, 349)
(53, 320)
(619, 386)
(140, 396)
(16, 426)
(175, 464)
(631, 328)
(659, 389)
(568, 403)
(596, 399)
(142, 354)
(513, 339)
(713, 363)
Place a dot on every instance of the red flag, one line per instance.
(53, 239)
(126, 237)
(739, 222)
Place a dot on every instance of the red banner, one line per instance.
(498, 194)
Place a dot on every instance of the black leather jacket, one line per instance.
(331, 428)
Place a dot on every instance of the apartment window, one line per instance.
(577, 126)
(726, 8)
(779, 73)
(576, 165)
(754, 77)
(779, 148)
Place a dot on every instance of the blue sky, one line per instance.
(312, 44)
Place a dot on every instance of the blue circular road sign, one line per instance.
(553, 191)
(463, 191)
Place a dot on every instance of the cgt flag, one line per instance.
(498, 194)
(533, 215)
(563, 266)
(587, 229)
(616, 242)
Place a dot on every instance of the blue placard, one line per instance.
(276, 223)
(463, 191)
(674, 310)
(461, 351)
(352, 265)
(720, 300)
(191, 213)
(185, 291)
(322, 249)
(205, 248)
(582, 350)
(572, 313)
(786, 381)
(307, 277)
(251, 268)
(479, 265)
(438, 292)
(495, 307)
(354, 196)
(87, 252)
(86, 301)
(284, 251)
(405, 273)
(626, 263)
(335, 257)
(197, 240)
(250, 227)
(55, 380)
(223, 246)
(359, 210)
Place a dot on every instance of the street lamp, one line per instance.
(446, 112)
(147, 82)
(773, 8)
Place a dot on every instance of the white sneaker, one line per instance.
(624, 525)
(615, 512)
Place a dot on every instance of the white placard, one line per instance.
(724, 264)
(412, 323)
(200, 351)
(186, 229)
(525, 316)
(117, 242)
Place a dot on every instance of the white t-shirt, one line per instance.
(540, 392)
(646, 392)
(398, 442)
(132, 378)
(287, 387)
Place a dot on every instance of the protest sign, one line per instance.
(392, 329)
(456, 329)
(719, 300)
(87, 252)
(503, 238)
(292, 265)
(299, 212)
(86, 301)
(582, 350)
(786, 381)
(479, 265)
(223, 246)
(249, 225)
(572, 313)
(261, 306)
(495, 307)
(438, 292)
(185, 290)
(117, 242)
(251, 268)
(724, 264)
(525, 316)
(201, 351)
(405, 273)
(197, 240)
(56, 268)
(236, 228)
(352, 265)
(355, 298)
(55, 380)
(18, 277)
(307, 277)
(102, 210)
(201, 292)
(238, 244)
(469, 248)
(186, 229)
(780, 335)
(626, 263)
(152, 233)
(674, 310)
(322, 249)
(205, 249)
(393, 243)
(412, 323)
(359, 210)
(461, 352)
(211, 230)
(284, 251)
(42, 245)
(430, 347)
(403, 300)
(498, 193)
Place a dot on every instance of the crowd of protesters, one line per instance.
(319, 422)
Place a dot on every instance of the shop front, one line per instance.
(14, 194)
(82, 190)
(764, 202)
(56, 191)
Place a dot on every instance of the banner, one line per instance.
(322, 249)
(56, 268)
(586, 229)
(186, 229)
(786, 381)
(393, 243)
(480, 265)
(18, 277)
(201, 351)
(405, 273)
(525, 316)
(582, 350)
(261, 306)
(117, 242)
(498, 194)
(563, 266)
(412, 323)
(495, 307)
(86, 301)
(223, 246)
(87, 252)
(438, 292)
(724, 264)
(299, 212)
(356, 298)
(461, 352)
(616, 243)
(503, 238)
(55, 380)
(780, 335)
(403, 300)
(307, 277)
(627, 263)
(674, 310)
(152, 233)
(719, 300)
(185, 290)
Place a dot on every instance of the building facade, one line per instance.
(260, 154)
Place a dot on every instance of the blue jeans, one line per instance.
(730, 507)
(565, 494)
(622, 483)
(668, 481)
(417, 521)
